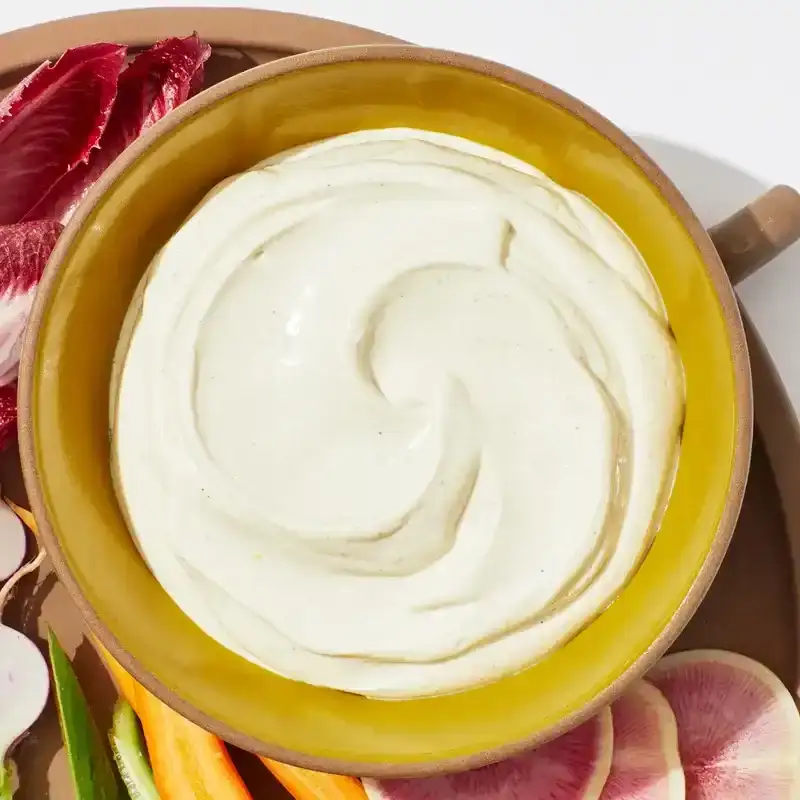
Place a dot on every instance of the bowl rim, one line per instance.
(224, 26)
(715, 270)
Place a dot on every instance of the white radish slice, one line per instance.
(646, 764)
(12, 542)
(573, 767)
(738, 726)
(24, 686)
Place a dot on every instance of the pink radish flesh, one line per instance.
(738, 726)
(646, 764)
(573, 767)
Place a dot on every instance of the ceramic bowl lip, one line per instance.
(714, 267)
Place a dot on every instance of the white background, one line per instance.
(711, 88)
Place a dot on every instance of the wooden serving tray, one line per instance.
(752, 605)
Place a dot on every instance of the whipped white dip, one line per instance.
(398, 414)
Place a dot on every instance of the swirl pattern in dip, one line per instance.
(398, 414)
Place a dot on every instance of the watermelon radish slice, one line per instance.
(573, 767)
(646, 764)
(738, 726)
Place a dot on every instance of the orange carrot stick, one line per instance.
(305, 784)
(25, 516)
(187, 761)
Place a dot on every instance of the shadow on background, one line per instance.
(715, 189)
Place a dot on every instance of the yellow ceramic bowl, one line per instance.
(65, 420)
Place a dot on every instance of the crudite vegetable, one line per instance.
(24, 680)
(738, 726)
(130, 753)
(24, 687)
(646, 764)
(398, 370)
(59, 129)
(91, 767)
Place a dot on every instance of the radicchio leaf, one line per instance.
(51, 122)
(154, 83)
(24, 250)
(8, 414)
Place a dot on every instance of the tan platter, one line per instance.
(752, 605)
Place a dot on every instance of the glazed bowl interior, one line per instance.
(65, 430)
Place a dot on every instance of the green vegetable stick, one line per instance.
(93, 774)
(130, 754)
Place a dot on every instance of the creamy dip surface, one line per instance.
(397, 414)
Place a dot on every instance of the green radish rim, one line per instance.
(130, 754)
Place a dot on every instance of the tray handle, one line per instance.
(757, 233)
